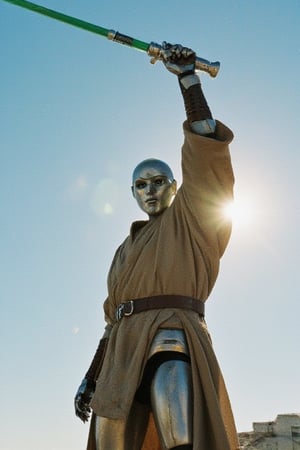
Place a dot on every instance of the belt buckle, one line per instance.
(122, 310)
(119, 312)
(131, 309)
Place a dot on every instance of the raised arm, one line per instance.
(180, 61)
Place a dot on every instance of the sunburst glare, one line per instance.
(243, 211)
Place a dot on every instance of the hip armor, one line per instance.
(169, 340)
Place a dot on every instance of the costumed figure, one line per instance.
(155, 382)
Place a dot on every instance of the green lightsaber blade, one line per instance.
(79, 23)
(152, 49)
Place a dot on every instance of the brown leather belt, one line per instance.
(159, 302)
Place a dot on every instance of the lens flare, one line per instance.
(241, 211)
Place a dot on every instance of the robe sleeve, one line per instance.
(208, 181)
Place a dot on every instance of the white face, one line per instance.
(153, 191)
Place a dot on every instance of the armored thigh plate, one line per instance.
(110, 434)
(122, 434)
(171, 391)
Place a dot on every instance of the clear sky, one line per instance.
(77, 112)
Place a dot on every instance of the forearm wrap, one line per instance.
(196, 106)
(96, 365)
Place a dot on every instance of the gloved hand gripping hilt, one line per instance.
(212, 68)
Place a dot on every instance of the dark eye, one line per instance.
(159, 181)
(140, 185)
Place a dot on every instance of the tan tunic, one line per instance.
(178, 253)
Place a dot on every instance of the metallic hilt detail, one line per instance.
(111, 35)
(212, 68)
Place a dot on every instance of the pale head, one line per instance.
(153, 186)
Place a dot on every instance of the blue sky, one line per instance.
(77, 112)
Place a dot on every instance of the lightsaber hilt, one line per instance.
(153, 49)
(212, 68)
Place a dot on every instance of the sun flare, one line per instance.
(242, 212)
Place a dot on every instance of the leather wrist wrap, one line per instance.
(195, 103)
(96, 365)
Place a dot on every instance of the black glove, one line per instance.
(83, 398)
(178, 59)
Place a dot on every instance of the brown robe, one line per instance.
(178, 253)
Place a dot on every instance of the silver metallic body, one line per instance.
(171, 390)
(171, 400)
(171, 403)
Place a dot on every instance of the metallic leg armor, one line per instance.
(171, 403)
(171, 391)
(171, 400)
(112, 434)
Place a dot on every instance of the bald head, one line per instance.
(153, 186)
(146, 168)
